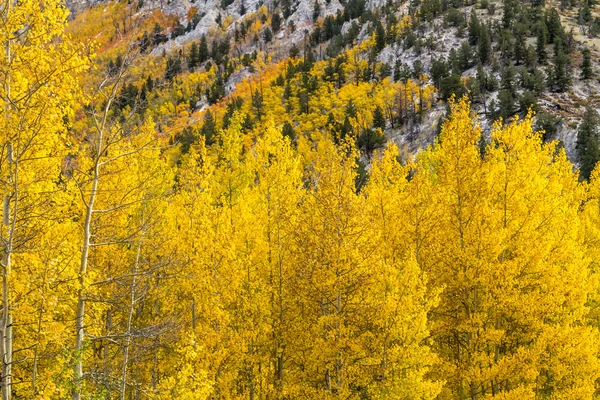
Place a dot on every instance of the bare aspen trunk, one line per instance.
(5, 320)
(6, 325)
(6, 342)
(105, 350)
(130, 314)
(155, 365)
(38, 335)
(35, 355)
(9, 351)
(79, 319)
(87, 235)
(338, 361)
(280, 346)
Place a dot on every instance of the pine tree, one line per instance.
(268, 35)
(586, 65)
(193, 57)
(258, 103)
(547, 123)
(209, 127)
(507, 77)
(203, 52)
(588, 147)
(286, 6)
(508, 13)
(465, 56)
(378, 118)
(507, 104)
(370, 140)
(542, 41)
(520, 51)
(157, 36)
(347, 129)
(485, 46)
(555, 29)
(455, 62)
(474, 29)
(276, 22)
(439, 70)
(288, 131)
(561, 76)
(585, 13)
(379, 37)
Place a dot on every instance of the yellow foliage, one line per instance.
(258, 267)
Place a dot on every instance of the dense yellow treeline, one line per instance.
(258, 268)
(254, 268)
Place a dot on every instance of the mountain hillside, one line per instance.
(436, 43)
(314, 199)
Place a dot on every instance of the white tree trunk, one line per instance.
(130, 313)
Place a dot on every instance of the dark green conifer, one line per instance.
(587, 146)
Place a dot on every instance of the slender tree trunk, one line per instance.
(9, 351)
(87, 235)
(106, 350)
(38, 334)
(10, 219)
(130, 314)
(338, 361)
(280, 345)
(79, 319)
(6, 324)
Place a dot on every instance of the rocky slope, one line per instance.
(436, 38)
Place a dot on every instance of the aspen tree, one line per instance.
(192, 203)
(138, 230)
(151, 263)
(38, 89)
(110, 146)
(234, 277)
(514, 273)
(212, 200)
(275, 204)
(401, 325)
(333, 275)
